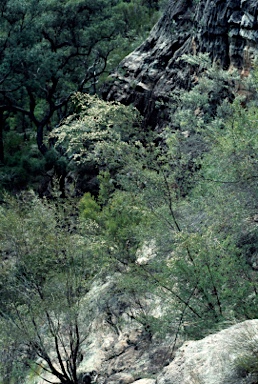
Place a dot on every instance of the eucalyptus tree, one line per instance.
(49, 49)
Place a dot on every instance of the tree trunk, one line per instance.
(1, 136)
(40, 136)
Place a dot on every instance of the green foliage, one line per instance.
(183, 194)
(50, 49)
(89, 208)
(122, 217)
(208, 261)
(245, 348)
(98, 128)
(200, 189)
(47, 268)
(24, 165)
(174, 215)
(137, 16)
(118, 223)
(194, 195)
(97, 138)
(236, 144)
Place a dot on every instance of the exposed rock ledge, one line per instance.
(123, 353)
(215, 359)
(227, 29)
(212, 360)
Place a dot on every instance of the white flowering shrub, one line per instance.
(99, 133)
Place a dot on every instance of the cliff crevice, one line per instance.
(227, 30)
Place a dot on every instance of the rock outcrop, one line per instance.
(118, 350)
(129, 358)
(220, 358)
(226, 29)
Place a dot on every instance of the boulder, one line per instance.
(220, 358)
(145, 381)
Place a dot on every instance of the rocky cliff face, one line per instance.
(226, 29)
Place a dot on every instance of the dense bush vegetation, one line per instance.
(191, 202)
(48, 51)
(177, 219)
(194, 194)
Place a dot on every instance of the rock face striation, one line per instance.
(226, 29)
